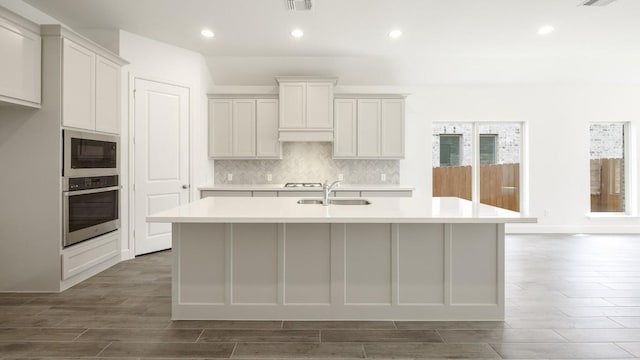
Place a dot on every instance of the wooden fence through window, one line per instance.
(499, 184)
(607, 185)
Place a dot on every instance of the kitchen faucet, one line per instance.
(326, 191)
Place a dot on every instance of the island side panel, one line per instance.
(307, 264)
(421, 264)
(367, 264)
(338, 271)
(254, 263)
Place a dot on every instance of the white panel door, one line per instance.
(107, 96)
(368, 128)
(244, 128)
(267, 144)
(392, 134)
(319, 105)
(220, 120)
(78, 90)
(344, 132)
(19, 63)
(293, 105)
(161, 159)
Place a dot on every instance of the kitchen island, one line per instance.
(394, 259)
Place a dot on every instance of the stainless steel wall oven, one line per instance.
(90, 207)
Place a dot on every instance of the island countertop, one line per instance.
(381, 210)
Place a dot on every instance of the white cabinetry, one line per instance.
(90, 89)
(78, 91)
(392, 128)
(20, 41)
(306, 108)
(243, 128)
(220, 127)
(345, 131)
(40, 144)
(293, 193)
(107, 101)
(267, 144)
(369, 126)
(292, 105)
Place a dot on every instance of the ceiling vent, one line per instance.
(298, 5)
(597, 2)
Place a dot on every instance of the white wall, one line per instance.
(158, 61)
(556, 120)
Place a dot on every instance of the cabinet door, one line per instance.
(319, 106)
(292, 105)
(267, 144)
(78, 90)
(244, 128)
(220, 119)
(344, 132)
(107, 96)
(19, 64)
(392, 133)
(368, 128)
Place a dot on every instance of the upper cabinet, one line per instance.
(306, 108)
(243, 127)
(20, 62)
(78, 89)
(90, 89)
(369, 127)
(90, 81)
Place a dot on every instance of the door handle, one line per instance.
(185, 186)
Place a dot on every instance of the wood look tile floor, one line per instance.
(568, 297)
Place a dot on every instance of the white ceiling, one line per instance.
(433, 29)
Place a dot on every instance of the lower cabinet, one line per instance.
(209, 193)
(337, 193)
(87, 255)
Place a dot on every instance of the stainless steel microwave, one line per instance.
(88, 154)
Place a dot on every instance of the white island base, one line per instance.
(331, 271)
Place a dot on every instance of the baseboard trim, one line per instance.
(572, 229)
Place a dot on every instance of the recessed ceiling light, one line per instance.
(207, 33)
(546, 30)
(297, 33)
(394, 34)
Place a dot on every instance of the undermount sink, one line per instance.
(335, 201)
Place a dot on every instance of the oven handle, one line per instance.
(91, 191)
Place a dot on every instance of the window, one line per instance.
(607, 167)
(450, 150)
(452, 159)
(495, 147)
(488, 149)
(500, 154)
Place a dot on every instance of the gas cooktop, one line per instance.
(303, 184)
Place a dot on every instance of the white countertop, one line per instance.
(381, 210)
(280, 187)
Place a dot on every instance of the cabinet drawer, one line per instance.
(405, 193)
(265, 194)
(218, 193)
(84, 256)
(346, 193)
(305, 194)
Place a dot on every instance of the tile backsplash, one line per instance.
(307, 162)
